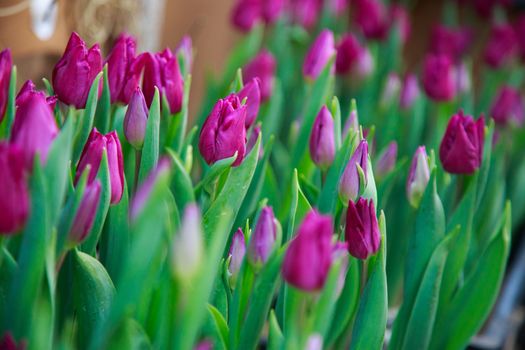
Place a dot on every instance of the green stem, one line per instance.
(138, 157)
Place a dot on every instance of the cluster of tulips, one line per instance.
(266, 223)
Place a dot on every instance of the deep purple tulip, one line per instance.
(508, 107)
(501, 46)
(14, 195)
(453, 42)
(263, 239)
(372, 17)
(237, 252)
(6, 64)
(252, 140)
(136, 120)
(92, 155)
(74, 73)
(262, 67)
(272, 10)
(319, 54)
(362, 231)
(461, 149)
(305, 12)
(322, 139)
(85, 215)
(349, 52)
(349, 184)
(387, 160)
(28, 90)
(185, 50)
(409, 91)
(34, 127)
(418, 177)
(519, 29)
(309, 256)
(246, 14)
(252, 93)
(485, 8)
(439, 79)
(223, 132)
(119, 62)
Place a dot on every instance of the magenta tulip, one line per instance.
(304, 12)
(453, 42)
(85, 215)
(502, 45)
(361, 230)
(237, 252)
(418, 177)
(409, 91)
(119, 62)
(6, 64)
(317, 57)
(349, 184)
(508, 107)
(252, 93)
(262, 67)
(439, 78)
(349, 52)
(372, 17)
(136, 119)
(387, 160)
(322, 139)
(264, 237)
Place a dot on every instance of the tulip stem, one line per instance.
(364, 274)
(60, 261)
(138, 157)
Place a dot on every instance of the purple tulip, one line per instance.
(371, 16)
(92, 156)
(349, 52)
(6, 64)
(409, 91)
(453, 42)
(338, 7)
(144, 190)
(246, 14)
(319, 54)
(75, 72)
(271, 10)
(14, 195)
(501, 46)
(349, 184)
(304, 12)
(34, 127)
(309, 256)
(237, 252)
(461, 149)
(28, 90)
(252, 93)
(252, 140)
(508, 107)
(362, 231)
(519, 29)
(351, 123)
(119, 62)
(418, 177)
(185, 51)
(7, 342)
(187, 246)
(484, 8)
(262, 67)
(401, 21)
(204, 345)
(85, 216)
(391, 89)
(322, 143)
(387, 160)
(439, 80)
(223, 132)
(136, 119)
(263, 239)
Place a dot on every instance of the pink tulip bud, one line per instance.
(85, 216)
(371, 16)
(119, 61)
(262, 67)
(409, 91)
(319, 54)
(418, 177)
(453, 42)
(362, 231)
(439, 78)
(461, 148)
(75, 72)
(387, 160)
(401, 21)
(252, 93)
(136, 120)
(349, 184)
(519, 29)
(185, 51)
(352, 122)
(349, 52)
(237, 252)
(502, 45)
(246, 14)
(263, 240)
(272, 10)
(507, 107)
(304, 12)
(322, 143)
(6, 64)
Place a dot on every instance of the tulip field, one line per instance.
(324, 194)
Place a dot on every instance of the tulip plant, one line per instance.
(318, 193)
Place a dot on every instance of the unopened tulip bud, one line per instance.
(418, 177)
(508, 107)
(119, 62)
(314, 342)
(85, 215)
(246, 14)
(271, 10)
(409, 91)
(461, 148)
(236, 253)
(188, 245)
(391, 89)
(264, 237)
(350, 186)
(7, 342)
(75, 72)
(263, 67)
(322, 143)
(305, 12)
(361, 230)
(319, 54)
(136, 119)
(309, 256)
(439, 79)
(252, 93)
(502, 46)
(352, 122)
(387, 160)
(371, 16)
(453, 42)
(14, 194)
(6, 65)
(185, 51)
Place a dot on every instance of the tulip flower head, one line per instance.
(387, 160)
(261, 67)
(119, 62)
(264, 237)
(304, 12)
(188, 247)
(236, 253)
(185, 52)
(453, 42)
(85, 216)
(350, 186)
(350, 54)
(322, 142)
(372, 18)
(439, 80)
(75, 72)
(461, 148)
(508, 107)
(6, 65)
(409, 91)
(319, 54)
(136, 119)
(502, 46)
(418, 177)
(252, 93)
(362, 230)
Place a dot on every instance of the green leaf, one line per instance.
(336, 112)
(275, 338)
(370, 324)
(215, 171)
(273, 118)
(221, 325)
(93, 293)
(179, 122)
(181, 183)
(150, 151)
(103, 111)
(10, 108)
(298, 208)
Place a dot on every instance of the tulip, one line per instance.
(236, 253)
(188, 247)
(314, 342)
(350, 182)
(75, 72)
(418, 177)
(501, 46)
(338, 7)
(391, 89)
(309, 256)
(361, 230)
(519, 28)
(271, 10)
(119, 62)
(262, 67)
(322, 143)
(371, 17)
(185, 52)
(508, 107)
(252, 93)
(14, 195)
(263, 239)
(305, 12)
(223, 132)
(7, 342)
(461, 149)
(34, 127)
(28, 91)
(387, 160)
(204, 345)
(349, 52)
(136, 119)
(252, 140)
(246, 14)
(352, 122)
(401, 21)
(439, 80)
(463, 81)
(85, 216)
(453, 42)
(6, 64)
(144, 190)
(92, 156)
(409, 91)
(319, 54)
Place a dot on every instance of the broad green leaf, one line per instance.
(181, 183)
(273, 118)
(298, 209)
(220, 324)
(103, 111)
(150, 151)
(214, 172)
(275, 337)
(130, 336)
